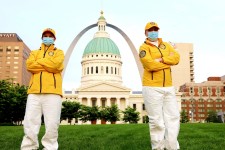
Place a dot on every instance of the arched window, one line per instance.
(107, 70)
(91, 70)
(115, 70)
(96, 69)
(87, 70)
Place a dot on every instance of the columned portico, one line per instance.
(127, 102)
(99, 101)
(108, 101)
(118, 102)
(80, 100)
(88, 101)
(121, 102)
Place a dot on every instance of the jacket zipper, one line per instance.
(163, 69)
(152, 75)
(54, 80)
(41, 72)
(40, 82)
(164, 78)
(31, 85)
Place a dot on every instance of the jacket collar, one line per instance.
(147, 41)
(52, 47)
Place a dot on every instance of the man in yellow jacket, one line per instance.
(157, 57)
(44, 94)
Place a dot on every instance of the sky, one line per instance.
(200, 22)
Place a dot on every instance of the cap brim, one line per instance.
(48, 32)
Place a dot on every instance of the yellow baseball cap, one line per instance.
(49, 30)
(150, 25)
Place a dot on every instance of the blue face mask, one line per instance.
(153, 35)
(48, 41)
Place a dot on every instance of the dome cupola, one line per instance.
(101, 45)
(101, 59)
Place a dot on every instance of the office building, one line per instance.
(13, 55)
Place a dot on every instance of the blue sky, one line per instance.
(200, 22)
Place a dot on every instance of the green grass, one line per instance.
(120, 137)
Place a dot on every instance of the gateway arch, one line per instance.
(131, 45)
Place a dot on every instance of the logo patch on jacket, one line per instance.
(142, 53)
(162, 46)
(50, 53)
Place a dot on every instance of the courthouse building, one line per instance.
(13, 55)
(101, 79)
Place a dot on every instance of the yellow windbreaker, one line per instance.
(46, 67)
(157, 74)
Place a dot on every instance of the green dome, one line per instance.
(101, 45)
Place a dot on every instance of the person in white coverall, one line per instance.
(157, 57)
(44, 94)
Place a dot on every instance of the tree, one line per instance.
(212, 117)
(70, 110)
(183, 117)
(88, 113)
(114, 114)
(131, 115)
(5, 104)
(12, 102)
(20, 103)
(103, 115)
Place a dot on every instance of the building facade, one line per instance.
(13, 55)
(184, 71)
(200, 98)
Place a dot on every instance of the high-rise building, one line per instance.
(184, 71)
(13, 55)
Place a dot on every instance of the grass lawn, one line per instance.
(120, 137)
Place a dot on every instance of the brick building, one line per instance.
(200, 98)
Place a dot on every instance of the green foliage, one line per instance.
(145, 119)
(88, 113)
(114, 114)
(70, 110)
(183, 117)
(104, 113)
(131, 115)
(12, 102)
(213, 117)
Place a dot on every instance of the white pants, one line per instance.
(164, 117)
(50, 106)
